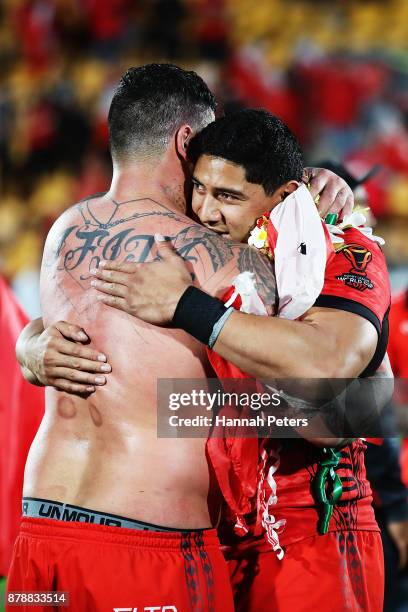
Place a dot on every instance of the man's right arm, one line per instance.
(58, 356)
(29, 336)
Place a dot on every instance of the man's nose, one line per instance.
(209, 212)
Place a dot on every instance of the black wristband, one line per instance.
(197, 313)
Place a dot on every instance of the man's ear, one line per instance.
(183, 135)
(288, 188)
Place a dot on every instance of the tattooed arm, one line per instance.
(217, 261)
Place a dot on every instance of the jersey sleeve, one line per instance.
(357, 280)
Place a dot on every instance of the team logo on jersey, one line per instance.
(359, 258)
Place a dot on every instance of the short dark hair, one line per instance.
(256, 140)
(150, 103)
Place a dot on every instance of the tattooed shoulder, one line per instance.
(124, 231)
(87, 233)
(264, 270)
(199, 245)
(205, 248)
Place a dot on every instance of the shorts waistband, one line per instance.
(53, 530)
(33, 507)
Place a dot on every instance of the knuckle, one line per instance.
(47, 377)
(50, 342)
(48, 360)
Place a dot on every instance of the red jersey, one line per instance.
(356, 280)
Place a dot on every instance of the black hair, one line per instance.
(150, 103)
(256, 140)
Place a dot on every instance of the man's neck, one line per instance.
(160, 180)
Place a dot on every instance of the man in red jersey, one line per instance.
(344, 565)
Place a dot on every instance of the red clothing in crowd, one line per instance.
(398, 345)
(21, 411)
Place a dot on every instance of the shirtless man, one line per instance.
(113, 515)
(136, 511)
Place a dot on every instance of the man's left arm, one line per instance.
(325, 343)
(344, 335)
(317, 346)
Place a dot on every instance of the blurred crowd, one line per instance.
(336, 72)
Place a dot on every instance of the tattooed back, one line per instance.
(102, 451)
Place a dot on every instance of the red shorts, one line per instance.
(340, 571)
(103, 568)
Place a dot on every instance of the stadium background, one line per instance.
(336, 72)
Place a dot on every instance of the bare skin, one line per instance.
(228, 204)
(313, 348)
(58, 356)
(54, 355)
(101, 450)
(60, 438)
